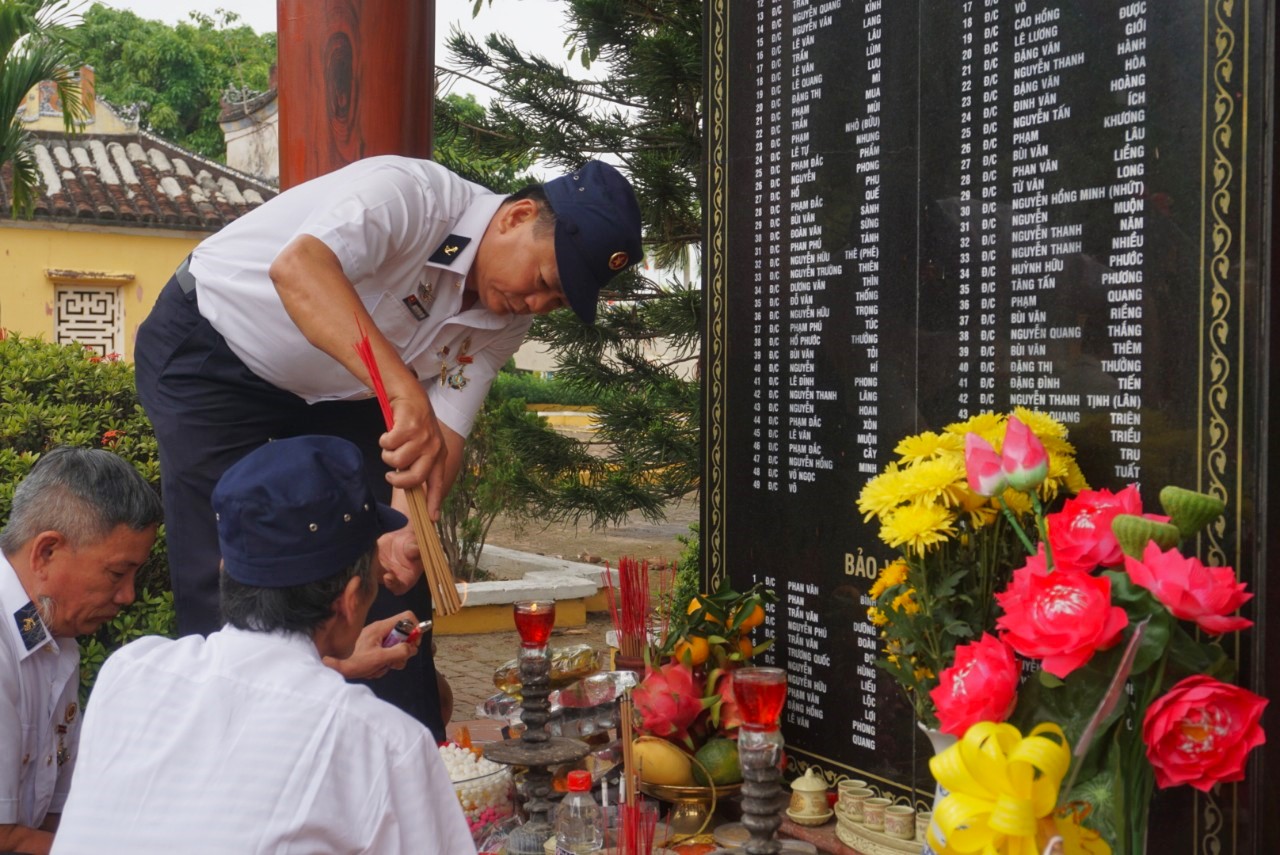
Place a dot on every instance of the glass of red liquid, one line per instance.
(534, 619)
(760, 693)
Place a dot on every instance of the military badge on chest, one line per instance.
(455, 376)
(418, 302)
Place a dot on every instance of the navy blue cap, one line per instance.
(296, 511)
(597, 231)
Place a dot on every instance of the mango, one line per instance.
(659, 762)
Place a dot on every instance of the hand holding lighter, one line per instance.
(405, 631)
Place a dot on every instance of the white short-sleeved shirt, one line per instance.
(388, 220)
(39, 714)
(245, 742)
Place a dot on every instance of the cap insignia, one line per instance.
(618, 260)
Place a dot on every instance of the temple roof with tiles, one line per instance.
(135, 180)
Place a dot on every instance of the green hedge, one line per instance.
(54, 395)
(536, 390)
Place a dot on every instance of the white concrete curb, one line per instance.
(544, 578)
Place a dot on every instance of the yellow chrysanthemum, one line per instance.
(1042, 425)
(923, 674)
(989, 426)
(877, 617)
(921, 446)
(917, 527)
(905, 603)
(1074, 479)
(979, 509)
(934, 481)
(894, 573)
(882, 493)
(1018, 502)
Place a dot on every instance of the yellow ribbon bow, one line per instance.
(1000, 784)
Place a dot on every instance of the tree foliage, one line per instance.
(640, 108)
(176, 74)
(33, 48)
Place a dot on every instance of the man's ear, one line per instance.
(347, 606)
(43, 548)
(516, 213)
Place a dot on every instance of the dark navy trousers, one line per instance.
(209, 410)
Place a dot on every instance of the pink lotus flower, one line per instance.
(668, 700)
(1201, 731)
(1190, 590)
(1023, 458)
(982, 466)
(1061, 618)
(982, 685)
(1080, 534)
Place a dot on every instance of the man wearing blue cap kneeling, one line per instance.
(245, 741)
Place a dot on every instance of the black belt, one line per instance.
(186, 281)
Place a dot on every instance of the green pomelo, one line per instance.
(720, 759)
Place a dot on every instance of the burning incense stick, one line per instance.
(444, 592)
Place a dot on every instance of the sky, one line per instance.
(534, 25)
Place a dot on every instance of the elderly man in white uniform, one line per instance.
(82, 523)
(245, 742)
(253, 339)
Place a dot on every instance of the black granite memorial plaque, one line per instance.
(922, 211)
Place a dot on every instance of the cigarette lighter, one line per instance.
(404, 631)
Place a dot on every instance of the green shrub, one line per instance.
(54, 395)
(537, 390)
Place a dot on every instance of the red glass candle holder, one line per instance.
(760, 693)
(534, 619)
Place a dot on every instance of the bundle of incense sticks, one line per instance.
(629, 824)
(444, 592)
(629, 603)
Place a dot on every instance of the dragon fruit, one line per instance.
(668, 701)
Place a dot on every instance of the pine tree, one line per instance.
(639, 108)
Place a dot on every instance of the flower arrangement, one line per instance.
(1102, 607)
(958, 539)
(686, 694)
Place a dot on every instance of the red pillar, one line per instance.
(356, 78)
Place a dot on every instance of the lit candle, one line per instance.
(534, 619)
(760, 693)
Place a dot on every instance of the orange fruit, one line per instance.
(695, 604)
(692, 651)
(745, 647)
(754, 619)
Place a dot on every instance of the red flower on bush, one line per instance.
(111, 437)
(1190, 590)
(1080, 534)
(668, 700)
(1201, 731)
(982, 685)
(1060, 618)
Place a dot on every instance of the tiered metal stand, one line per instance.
(762, 798)
(536, 750)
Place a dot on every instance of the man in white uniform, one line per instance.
(253, 339)
(82, 523)
(245, 742)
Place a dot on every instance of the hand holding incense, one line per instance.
(444, 592)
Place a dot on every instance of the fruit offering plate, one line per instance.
(674, 793)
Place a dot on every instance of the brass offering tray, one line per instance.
(691, 807)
